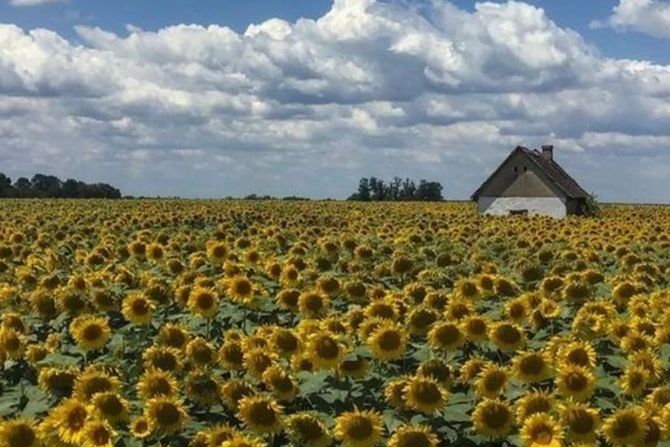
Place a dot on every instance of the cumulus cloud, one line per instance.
(33, 2)
(420, 89)
(646, 16)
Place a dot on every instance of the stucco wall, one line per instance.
(501, 206)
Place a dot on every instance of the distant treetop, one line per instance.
(49, 186)
(375, 190)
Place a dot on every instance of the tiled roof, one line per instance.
(558, 175)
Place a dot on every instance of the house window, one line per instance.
(525, 168)
(517, 212)
(516, 169)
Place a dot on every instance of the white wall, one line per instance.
(501, 206)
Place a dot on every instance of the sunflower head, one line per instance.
(388, 341)
(90, 332)
(260, 415)
(625, 426)
(413, 436)
(541, 430)
(18, 433)
(493, 418)
(425, 395)
(165, 414)
(307, 430)
(358, 428)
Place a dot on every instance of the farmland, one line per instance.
(239, 323)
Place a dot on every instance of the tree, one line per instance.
(374, 189)
(429, 191)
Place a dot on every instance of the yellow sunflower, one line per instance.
(508, 337)
(204, 302)
(425, 395)
(539, 430)
(98, 434)
(165, 414)
(626, 426)
(388, 341)
(532, 403)
(307, 430)
(531, 367)
(493, 418)
(413, 436)
(325, 350)
(580, 421)
(90, 332)
(491, 381)
(156, 382)
(575, 382)
(260, 415)
(446, 336)
(137, 309)
(359, 428)
(19, 432)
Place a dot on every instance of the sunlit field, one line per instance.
(269, 323)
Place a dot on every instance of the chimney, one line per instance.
(548, 152)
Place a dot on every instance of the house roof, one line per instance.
(552, 170)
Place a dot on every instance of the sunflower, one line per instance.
(580, 421)
(388, 341)
(163, 358)
(204, 302)
(493, 418)
(217, 434)
(435, 369)
(531, 367)
(491, 381)
(231, 355)
(625, 426)
(578, 353)
(467, 289)
(240, 289)
(359, 428)
(575, 382)
(394, 392)
(471, 369)
(200, 352)
(280, 383)
(413, 436)
(541, 430)
(260, 415)
(90, 332)
(356, 367)
(242, 440)
(97, 434)
(156, 382)
(658, 398)
(313, 303)
(137, 309)
(202, 388)
(234, 390)
(165, 414)
(475, 328)
(508, 337)
(287, 299)
(446, 336)
(325, 350)
(69, 419)
(533, 402)
(285, 342)
(94, 380)
(19, 432)
(307, 430)
(420, 319)
(425, 395)
(57, 381)
(257, 360)
(174, 335)
(634, 381)
(111, 407)
(12, 343)
(216, 252)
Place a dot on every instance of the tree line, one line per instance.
(376, 190)
(49, 186)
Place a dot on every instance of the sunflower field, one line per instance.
(268, 323)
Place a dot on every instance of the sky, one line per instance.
(303, 97)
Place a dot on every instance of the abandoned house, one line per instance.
(531, 182)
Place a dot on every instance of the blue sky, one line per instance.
(210, 98)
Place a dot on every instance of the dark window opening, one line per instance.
(518, 212)
(525, 168)
(516, 169)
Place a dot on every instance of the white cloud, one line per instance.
(646, 16)
(420, 89)
(33, 2)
